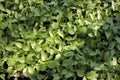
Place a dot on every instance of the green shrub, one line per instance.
(60, 39)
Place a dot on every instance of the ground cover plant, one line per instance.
(59, 39)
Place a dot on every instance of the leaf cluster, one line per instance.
(59, 39)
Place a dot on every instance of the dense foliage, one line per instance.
(60, 39)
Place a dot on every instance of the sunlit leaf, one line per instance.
(92, 75)
(19, 45)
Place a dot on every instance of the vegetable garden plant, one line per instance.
(59, 39)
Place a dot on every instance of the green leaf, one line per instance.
(2, 0)
(31, 70)
(118, 47)
(67, 63)
(53, 64)
(12, 61)
(1, 17)
(44, 56)
(111, 45)
(40, 67)
(19, 67)
(56, 76)
(21, 59)
(58, 56)
(105, 27)
(117, 39)
(51, 33)
(1, 7)
(92, 75)
(113, 5)
(80, 72)
(25, 47)
(37, 12)
(60, 33)
(21, 6)
(67, 73)
(83, 30)
(69, 54)
(30, 56)
(17, 1)
(57, 40)
(9, 48)
(29, 35)
(71, 31)
(19, 45)
(99, 67)
(99, 15)
(10, 69)
(25, 72)
(114, 62)
(3, 25)
(2, 76)
(107, 56)
(55, 25)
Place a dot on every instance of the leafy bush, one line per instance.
(60, 39)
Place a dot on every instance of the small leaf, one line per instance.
(53, 64)
(82, 29)
(60, 33)
(113, 5)
(17, 1)
(1, 17)
(80, 72)
(71, 31)
(57, 40)
(114, 62)
(58, 56)
(69, 54)
(99, 67)
(25, 72)
(30, 56)
(21, 59)
(118, 47)
(1, 7)
(9, 48)
(67, 73)
(92, 16)
(10, 69)
(99, 15)
(55, 25)
(31, 70)
(12, 61)
(51, 33)
(25, 48)
(107, 56)
(21, 6)
(43, 56)
(19, 67)
(105, 27)
(40, 67)
(3, 25)
(19, 45)
(37, 12)
(111, 45)
(117, 39)
(92, 75)
(56, 77)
